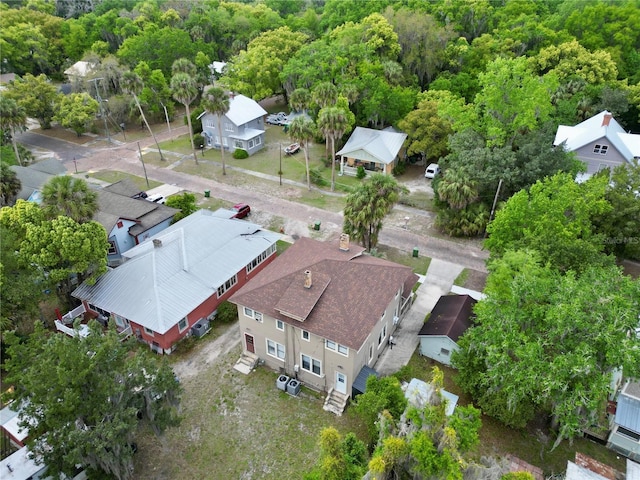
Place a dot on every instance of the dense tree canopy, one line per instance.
(82, 398)
(561, 338)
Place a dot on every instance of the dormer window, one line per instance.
(600, 149)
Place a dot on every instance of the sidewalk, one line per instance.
(437, 282)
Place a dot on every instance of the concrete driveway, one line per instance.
(437, 282)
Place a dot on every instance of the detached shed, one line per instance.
(449, 319)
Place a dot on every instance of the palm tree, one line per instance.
(9, 184)
(367, 205)
(325, 94)
(457, 189)
(332, 122)
(132, 84)
(215, 100)
(69, 196)
(14, 119)
(185, 91)
(302, 129)
(300, 99)
(182, 65)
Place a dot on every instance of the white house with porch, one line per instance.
(374, 150)
(242, 126)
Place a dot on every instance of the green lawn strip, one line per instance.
(418, 264)
(113, 176)
(462, 278)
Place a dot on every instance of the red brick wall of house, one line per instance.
(173, 335)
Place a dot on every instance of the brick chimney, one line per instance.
(157, 243)
(344, 242)
(231, 95)
(307, 279)
(606, 119)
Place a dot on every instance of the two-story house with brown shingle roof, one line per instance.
(322, 312)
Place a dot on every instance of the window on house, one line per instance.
(238, 144)
(628, 433)
(260, 258)
(183, 324)
(258, 141)
(101, 311)
(113, 247)
(371, 352)
(224, 142)
(148, 331)
(227, 285)
(280, 325)
(330, 345)
(253, 314)
(275, 349)
(444, 351)
(312, 365)
(257, 316)
(383, 334)
(600, 149)
(250, 143)
(305, 335)
(248, 312)
(228, 127)
(343, 350)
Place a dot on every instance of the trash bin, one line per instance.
(207, 193)
(316, 226)
(415, 252)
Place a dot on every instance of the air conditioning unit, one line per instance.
(282, 382)
(396, 320)
(293, 387)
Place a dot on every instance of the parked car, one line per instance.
(242, 210)
(432, 170)
(156, 198)
(292, 149)
(279, 118)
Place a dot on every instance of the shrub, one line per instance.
(196, 124)
(361, 173)
(198, 140)
(316, 178)
(227, 313)
(239, 154)
(400, 168)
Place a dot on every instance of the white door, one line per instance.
(341, 383)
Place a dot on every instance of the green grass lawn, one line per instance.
(112, 176)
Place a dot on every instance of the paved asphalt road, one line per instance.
(124, 157)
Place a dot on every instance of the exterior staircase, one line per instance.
(247, 362)
(335, 402)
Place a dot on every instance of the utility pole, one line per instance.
(143, 165)
(280, 171)
(493, 208)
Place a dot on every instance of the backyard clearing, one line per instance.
(235, 426)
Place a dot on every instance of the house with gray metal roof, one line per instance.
(600, 142)
(625, 434)
(128, 218)
(34, 176)
(179, 276)
(374, 150)
(242, 126)
(322, 312)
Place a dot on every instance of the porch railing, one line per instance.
(69, 317)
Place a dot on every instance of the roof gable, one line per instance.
(373, 145)
(451, 317)
(337, 306)
(241, 110)
(601, 126)
(172, 273)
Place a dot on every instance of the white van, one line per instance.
(432, 170)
